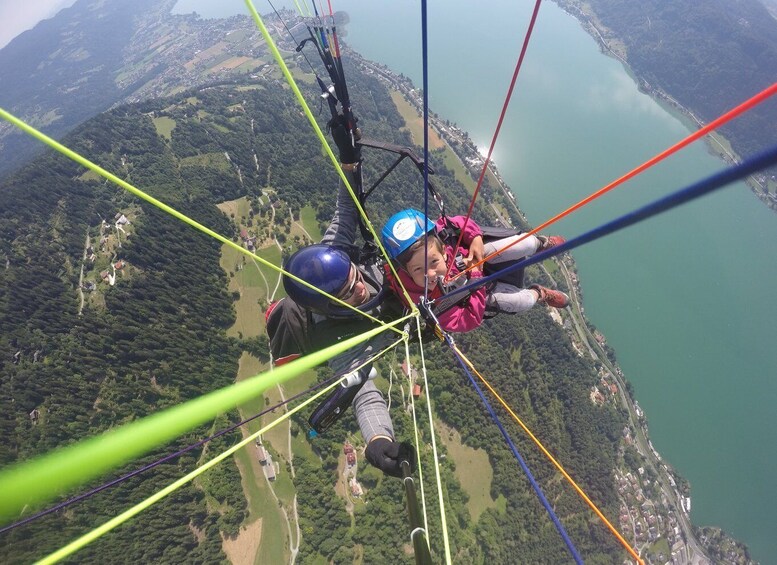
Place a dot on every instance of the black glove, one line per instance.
(386, 455)
(342, 138)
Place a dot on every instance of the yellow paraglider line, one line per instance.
(159, 495)
(166, 208)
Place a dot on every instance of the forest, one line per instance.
(159, 337)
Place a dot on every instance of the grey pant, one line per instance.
(506, 297)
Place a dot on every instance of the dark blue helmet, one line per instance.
(323, 266)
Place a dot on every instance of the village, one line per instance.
(104, 264)
(241, 51)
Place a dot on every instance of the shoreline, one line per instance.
(674, 489)
(717, 144)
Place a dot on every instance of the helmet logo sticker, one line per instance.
(404, 229)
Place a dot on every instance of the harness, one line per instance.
(449, 235)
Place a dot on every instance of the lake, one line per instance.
(687, 299)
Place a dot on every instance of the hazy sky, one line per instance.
(17, 16)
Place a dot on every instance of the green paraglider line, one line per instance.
(159, 495)
(70, 154)
(98, 532)
(43, 478)
(314, 124)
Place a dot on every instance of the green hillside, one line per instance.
(165, 331)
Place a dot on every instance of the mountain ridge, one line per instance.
(192, 140)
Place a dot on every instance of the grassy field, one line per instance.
(217, 160)
(309, 221)
(301, 76)
(284, 487)
(250, 366)
(237, 209)
(661, 546)
(255, 282)
(221, 128)
(238, 36)
(271, 254)
(261, 502)
(278, 436)
(461, 173)
(415, 123)
(251, 87)
(248, 320)
(552, 268)
(164, 126)
(301, 447)
(45, 119)
(274, 545)
(90, 175)
(473, 471)
(300, 383)
(250, 65)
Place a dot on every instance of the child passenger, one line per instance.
(403, 238)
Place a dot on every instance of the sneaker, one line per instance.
(546, 242)
(550, 297)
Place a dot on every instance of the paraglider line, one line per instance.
(440, 498)
(73, 156)
(294, 39)
(415, 432)
(98, 532)
(496, 132)
(728, 116)
(158, 462)
(314, 124)
(552, 459)
(714, 182)
(521, 462)
(148, 502)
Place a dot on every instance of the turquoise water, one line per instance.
(687, 299)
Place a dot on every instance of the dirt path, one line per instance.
(243, 549)
(293, 541)
(81, 276)
(266, 282)
(278, 280)
(299, 224)
(290, 452)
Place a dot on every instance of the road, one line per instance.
(694, 553)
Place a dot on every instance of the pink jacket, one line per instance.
(463, 317)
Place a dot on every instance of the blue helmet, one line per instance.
(403, 229)
(323, 266)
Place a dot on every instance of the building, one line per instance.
(262, 454)
(351, 459)
(356, 488)
(596, 396)
(416, 390)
